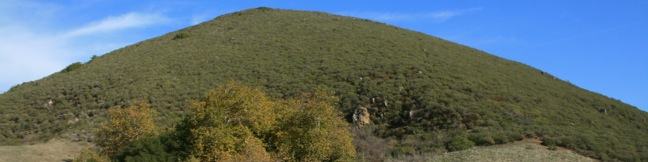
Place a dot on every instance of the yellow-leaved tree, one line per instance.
(313, 130)
(124, 126)
(229, 123)
(239, 123)
(234, 122)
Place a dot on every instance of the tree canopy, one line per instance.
(234, 122)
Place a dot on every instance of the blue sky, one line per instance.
(599, 45)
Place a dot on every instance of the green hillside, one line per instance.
(423, 94)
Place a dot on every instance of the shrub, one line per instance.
(460, 142)
(369, 146)
(88, 155)
(72, 67)
(482, 139)
(152, 149)
(180, 36)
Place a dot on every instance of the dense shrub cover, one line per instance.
(418, 89)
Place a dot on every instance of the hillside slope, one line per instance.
(420, 91)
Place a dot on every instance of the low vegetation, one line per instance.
(518, 151)
(232, 123)
(53, 150)
(420, 92)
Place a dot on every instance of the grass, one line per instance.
(421, 91)
(528, 151)
(53, 150)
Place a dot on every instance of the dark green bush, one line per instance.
(154, 149)
(482, 139)
(72, 67)
(547, 141)
(180, 36)
(460, 142)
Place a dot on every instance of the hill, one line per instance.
(423, 94)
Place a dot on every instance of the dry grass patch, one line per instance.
(54, 150)
(527, 150)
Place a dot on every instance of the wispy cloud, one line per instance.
(25, 55)
(28, 51)
(125, 21)
(436, 16)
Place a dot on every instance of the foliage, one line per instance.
(315, 131)
(124, 126)
(180, 36)
(447, 87)
(150, 149)
(460, 142)
(234, 104)
(239, 123)
(72, 67)
(226, 143)
(88, 155)
(227, 124)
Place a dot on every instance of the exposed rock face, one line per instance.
(361, 116)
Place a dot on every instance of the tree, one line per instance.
(124, 126)
(239, 123)
(227, 125)
(314, 131)
(234, 123)
(235, 104)
(227, 143)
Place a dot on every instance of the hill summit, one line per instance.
(416, 93)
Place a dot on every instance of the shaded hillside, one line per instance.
(422, 92)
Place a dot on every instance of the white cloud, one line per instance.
(25, 55)
(29, 53)
(130, 20)
(436, 16)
